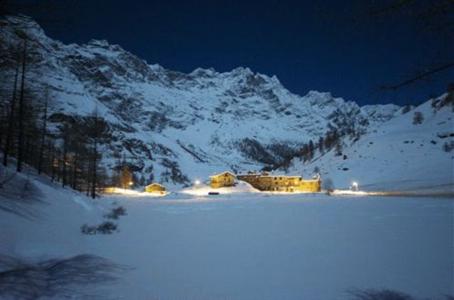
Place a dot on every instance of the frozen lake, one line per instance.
(256, 246)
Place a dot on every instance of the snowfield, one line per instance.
(271, 247)
(245, 245)
(175, 128)
(396, 156)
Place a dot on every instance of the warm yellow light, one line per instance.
(131, 183)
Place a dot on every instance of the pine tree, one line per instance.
(339, 149)
(321, 145)
(311, 150)
(418, 118)
(142, 181)
(125, 177)
(304, 152)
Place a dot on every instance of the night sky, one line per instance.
(335, 46)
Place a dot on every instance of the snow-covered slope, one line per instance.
(47, 215)
(244, 245)
(398, 155)
(167, 121)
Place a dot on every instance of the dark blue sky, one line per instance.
(323, 45)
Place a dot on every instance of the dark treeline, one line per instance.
(332, 140)
(66, 148)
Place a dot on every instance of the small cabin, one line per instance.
(111, 190)
(155, 188)
(224, 179)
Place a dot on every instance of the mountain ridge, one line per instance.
(224, 119)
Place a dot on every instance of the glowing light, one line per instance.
(132, 193)
(197, 182)
(202, 190)
(130, 183)
(351, 192)
(355, 186)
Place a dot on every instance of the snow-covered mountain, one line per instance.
(179, 126)
(398, 155)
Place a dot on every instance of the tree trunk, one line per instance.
(74, 175)
(43, 136)
(20, 152)
(94, 176)
(65, 153)
(10, 131)
(51, 160)
(95, 155)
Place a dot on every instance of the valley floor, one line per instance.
(284, 247)
(248, 245)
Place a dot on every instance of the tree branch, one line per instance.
(419, 76)
(397, 5)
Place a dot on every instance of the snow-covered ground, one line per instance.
(241, 244)
(396, 156)
(245, 245)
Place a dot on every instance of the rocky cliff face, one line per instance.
(175, 125)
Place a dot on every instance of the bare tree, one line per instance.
(433, 16)
(95, 136)
(65, 135)
(98, 133)
(51, 152)
(20, 149)
(10, 130)
(43, 132)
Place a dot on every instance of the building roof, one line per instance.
(258, 175)
(223, 173)
(294, 177)
(281, 176)
(155, 184)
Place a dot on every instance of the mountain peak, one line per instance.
(99, 43)
(24, 25)
(241, 71)
(170, 122)
(201, 72)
